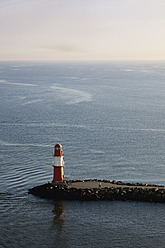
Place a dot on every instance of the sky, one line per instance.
(71, 30)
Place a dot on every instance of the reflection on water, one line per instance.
(61, 237)
(59, 210)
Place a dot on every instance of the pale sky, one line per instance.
(82, 30)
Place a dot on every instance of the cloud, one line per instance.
(63, 47)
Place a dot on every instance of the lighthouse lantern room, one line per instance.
(58, 163)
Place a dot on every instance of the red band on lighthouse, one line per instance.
(58, 163)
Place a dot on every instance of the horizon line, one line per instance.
(83, 60)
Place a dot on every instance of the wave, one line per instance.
(3, 143)
(137, 129)
(72, 96)
(36, 124)
(97, 151)
(17, 84)
(89, 127)
(32, 101)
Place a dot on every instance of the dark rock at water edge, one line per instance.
(121, 192)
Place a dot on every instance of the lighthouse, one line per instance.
(58, 163)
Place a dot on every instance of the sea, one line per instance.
(110, 119)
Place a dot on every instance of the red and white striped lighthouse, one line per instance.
(58, 163)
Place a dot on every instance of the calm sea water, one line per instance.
(110, 120)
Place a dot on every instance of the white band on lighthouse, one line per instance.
(58, 161)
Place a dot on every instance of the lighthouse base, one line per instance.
(58, 174)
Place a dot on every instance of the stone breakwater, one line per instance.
(96, 190)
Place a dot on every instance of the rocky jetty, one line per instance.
(96, 190)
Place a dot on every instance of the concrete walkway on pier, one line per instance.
(89, 184)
